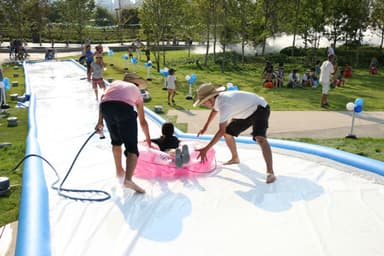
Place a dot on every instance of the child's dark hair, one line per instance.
(167, 129)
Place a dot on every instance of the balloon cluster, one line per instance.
(231, 87)
(148, 64)
(356, 106)
(191, 79)
(164, 72)
(6, 83)
(134, 60)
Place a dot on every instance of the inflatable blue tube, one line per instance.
(340, 156)
(33, 235)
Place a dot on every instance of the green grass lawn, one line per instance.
(247, 77)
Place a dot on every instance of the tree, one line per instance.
(160, 20)
(103, 17)
(14, 17)
(77, 14)
(271, 16)
(357, 18)
(36, 12)
(377, 19)
(207, 10)
(243, 21)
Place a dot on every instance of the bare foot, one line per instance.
(120, 173)
(132, 185)
(270, 178)
(232, 161)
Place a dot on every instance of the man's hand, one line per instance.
(99, 127)
(202, 154)
(202, 131)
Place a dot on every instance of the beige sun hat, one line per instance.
(134, 78)
(207, 91)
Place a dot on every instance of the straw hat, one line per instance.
(207, 91)
(134, 78)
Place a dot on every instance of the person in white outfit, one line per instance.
(171, 86)
(326, 72)
(238, 110)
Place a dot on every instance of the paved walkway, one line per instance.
(300, 124)
(283, 124)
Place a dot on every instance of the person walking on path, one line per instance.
(326, 72)
(238, 111)
(88, 60)
(117, 108)
(171, 86)
(97, 74)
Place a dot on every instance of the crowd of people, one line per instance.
(327, 74)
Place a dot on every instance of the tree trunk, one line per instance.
(295, 27)
(207, 47)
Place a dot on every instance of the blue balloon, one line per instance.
(192, 79)
(359, 102)
(233, 88)
(125, 56)
(358, 108)
(164, 72)
(110, 53)
(134, 60)
(147, 64)
(6, 83)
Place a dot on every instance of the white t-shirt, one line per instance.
(171, 82)
(293, 79)
(237, 104)
(326, 71)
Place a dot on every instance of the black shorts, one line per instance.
(258, 120)
(89, 64)
(121, 121)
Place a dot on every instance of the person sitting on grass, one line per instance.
(339, 78)
(293, 79)
(279, 77)
(347, 71)
(268, 73)
(306, 80)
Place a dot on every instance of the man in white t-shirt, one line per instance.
(239, 110)
(326, 72)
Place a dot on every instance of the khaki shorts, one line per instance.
(326, 87)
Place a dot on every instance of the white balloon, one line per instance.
(166, 69)
(229, 85)
(350, 106)
(187, 77)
